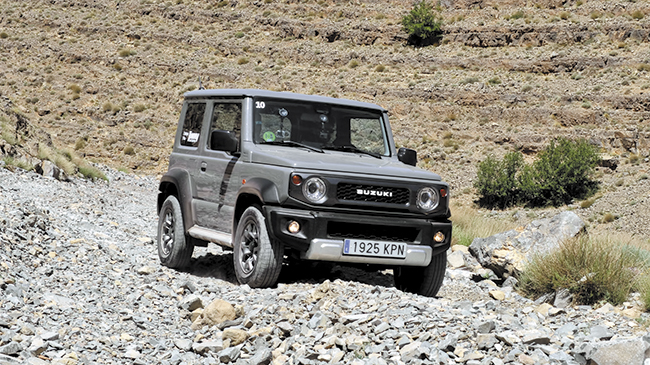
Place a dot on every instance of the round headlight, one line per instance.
(315, 190)
(427, 199)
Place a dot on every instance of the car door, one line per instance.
(216, 168)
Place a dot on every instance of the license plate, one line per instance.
(395, 250)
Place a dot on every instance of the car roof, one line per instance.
(208, 93)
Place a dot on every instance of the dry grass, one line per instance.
(469, 224)
(593, 269)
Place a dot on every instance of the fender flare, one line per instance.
(180, 180)
(264, 189)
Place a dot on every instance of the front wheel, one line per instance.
(257, 258)
(174, 247)
(422, 280)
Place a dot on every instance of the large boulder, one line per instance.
(507, 253)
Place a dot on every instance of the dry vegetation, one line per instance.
(106, 79)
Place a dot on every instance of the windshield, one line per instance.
(322, 126)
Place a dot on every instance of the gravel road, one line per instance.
(81, 284)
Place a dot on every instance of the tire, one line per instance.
(175, 248)
(422, 280)
(257, 258)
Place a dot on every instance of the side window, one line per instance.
(226, 117)
(192, 124)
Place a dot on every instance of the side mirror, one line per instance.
(407, 156)
(223, 141)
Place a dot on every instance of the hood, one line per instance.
(337, 162)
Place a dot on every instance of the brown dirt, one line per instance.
(102, 76)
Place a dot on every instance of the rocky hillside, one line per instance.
(105, 78)
(80, 283)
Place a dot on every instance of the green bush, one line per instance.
(422, 24)
(561, 173)
(496, 180)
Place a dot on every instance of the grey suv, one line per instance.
(274, 174)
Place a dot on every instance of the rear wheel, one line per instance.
(257, 258)
(174, 247)
(422, 280)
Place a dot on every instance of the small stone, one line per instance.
(262, 357)
(12, 348)
(37, 346)
(215, 313)
(207, 346)
(497, 294)
(191, 303)
(486, 327)
(229, 355)
(455, 260)
(285, 327)
(146, 270)
(183, 344)
(236, 336)
(543, 309)
(600, 333)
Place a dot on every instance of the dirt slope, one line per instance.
(107, 77)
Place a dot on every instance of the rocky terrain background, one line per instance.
(80, 283)
(79, 275)
(106, 78)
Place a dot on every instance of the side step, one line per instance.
(210, 235)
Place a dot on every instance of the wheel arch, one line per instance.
(256, 191)
(177, 182)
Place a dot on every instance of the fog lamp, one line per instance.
(293, 227)
(439, 237)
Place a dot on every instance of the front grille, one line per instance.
(372, 232)
(370, 193)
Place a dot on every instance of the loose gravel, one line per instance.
(81, 284)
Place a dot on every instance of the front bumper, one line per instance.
(323, 233)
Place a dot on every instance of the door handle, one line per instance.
(204, 166)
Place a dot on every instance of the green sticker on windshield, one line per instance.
(269, 136)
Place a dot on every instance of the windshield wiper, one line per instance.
(295, 144)
(351, 148)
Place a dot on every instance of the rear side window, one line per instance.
(226, 117)
(192, 124)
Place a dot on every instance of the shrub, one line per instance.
(469, 80)
(422, 24)
(380, 68)
(117, 67)
(80, 143)
(591, 269)
(242, 61)
(494, 81)
(76, 89)
(496, 180)
(126, 52)
(353, 64)
(561, 173)
(107, 107)
(517, 15)
(4, 35)
(128, 150)
(91, 172)
(638, 15)
(139, 108)
(643, 67)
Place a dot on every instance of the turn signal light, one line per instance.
(443, 192)
(439, 237)
(296, 179)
